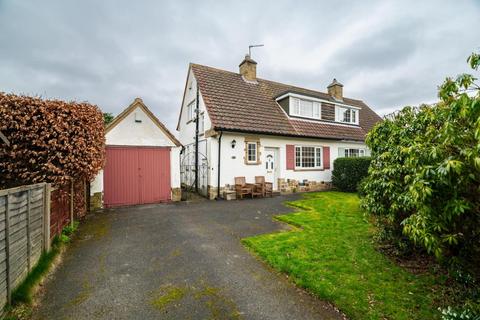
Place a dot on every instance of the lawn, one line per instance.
(331, 253)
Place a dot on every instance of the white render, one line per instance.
(232, 159)
(146, 133)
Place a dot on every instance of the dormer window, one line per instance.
(347, 115)
(305, 108)
(309, 107)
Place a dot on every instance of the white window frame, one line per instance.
(339, 112)
(347, 152)
(295, 108)
(249, 143)
(317, 165)
(191, 110)
(201, 124)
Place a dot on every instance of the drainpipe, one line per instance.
(196, 141)
(218, 168)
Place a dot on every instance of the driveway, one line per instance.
(175, 261)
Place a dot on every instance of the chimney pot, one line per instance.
(335, 90)
(248, 68)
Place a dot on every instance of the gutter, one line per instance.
(286, 135)
(218, 168)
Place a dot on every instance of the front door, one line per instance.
(271, 166)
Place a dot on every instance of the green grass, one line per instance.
(333, 256)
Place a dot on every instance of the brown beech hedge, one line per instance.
(50, 141)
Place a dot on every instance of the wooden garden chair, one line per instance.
(242, 188)
(265, 187)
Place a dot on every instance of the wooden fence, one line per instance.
(24, 233)
(69, 202)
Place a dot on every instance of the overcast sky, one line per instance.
(389, 54)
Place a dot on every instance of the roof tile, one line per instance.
(237, 105)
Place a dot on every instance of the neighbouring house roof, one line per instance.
(139, 103)
(234, 104)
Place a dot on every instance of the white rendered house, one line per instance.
(241, 125)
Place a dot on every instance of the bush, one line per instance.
(348, 172)
(424, 179)
(463, 314)
(50, 140)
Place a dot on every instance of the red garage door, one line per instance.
(136, 175)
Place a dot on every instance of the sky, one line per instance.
(387, 53)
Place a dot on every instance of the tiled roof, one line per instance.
(234, 104)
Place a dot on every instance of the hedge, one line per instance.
(50, 140)
(424, 180)
(348, 172)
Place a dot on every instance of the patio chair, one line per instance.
(265, 187)
(242, 188)
(257, 191)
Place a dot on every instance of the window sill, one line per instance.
(350, 123)
(253, 163)
(304, 117)
(305, 169)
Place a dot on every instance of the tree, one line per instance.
(107, 118)
(424, 178)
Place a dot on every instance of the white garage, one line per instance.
(142, 161)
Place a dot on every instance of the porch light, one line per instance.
(233, 143)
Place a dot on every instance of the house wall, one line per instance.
(187, 128)
(145, 133)
(233, 163)
(131, 133)
(186, 135)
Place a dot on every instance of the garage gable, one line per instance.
(138, 126)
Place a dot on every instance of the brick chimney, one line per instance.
(335, 89)
(248, 68)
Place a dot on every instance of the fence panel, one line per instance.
(61, 205)
(23, 218)
(60, 209)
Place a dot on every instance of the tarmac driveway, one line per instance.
(175, 261)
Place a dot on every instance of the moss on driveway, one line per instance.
(332, 254)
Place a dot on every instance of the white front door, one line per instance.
(271, 166)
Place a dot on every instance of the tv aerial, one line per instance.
(253, 46)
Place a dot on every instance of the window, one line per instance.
(191, 110)
(351, 152)
(308, 157)
(201, 124)
(251, 152)
(347, 115)
(305, 108)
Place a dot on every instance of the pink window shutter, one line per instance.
(290, 157)
(326, 158)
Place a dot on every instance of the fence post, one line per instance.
(86, 198)
(7, 249)
(29, 240)
(71, 203)
(46, 217)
